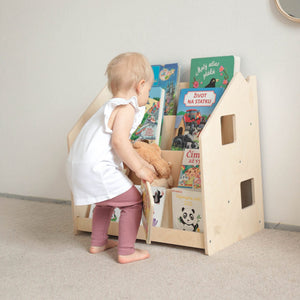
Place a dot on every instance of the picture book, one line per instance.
(92, 207)
(167, 77)
(187, 210)
(208, 72)
(159, 197)
(148, 203)
(194, 108)
(114, 218)
(189, 176)
(116, 215)
(150, 127)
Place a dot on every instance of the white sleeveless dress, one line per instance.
(94, 170)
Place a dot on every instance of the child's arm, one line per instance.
(121, 126)
(146, 164)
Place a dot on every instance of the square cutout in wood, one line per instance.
(247, 188)
(228, 129)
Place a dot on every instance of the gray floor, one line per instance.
(40, 258)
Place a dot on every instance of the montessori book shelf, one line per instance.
(230, 163)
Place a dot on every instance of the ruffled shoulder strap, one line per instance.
(114, 102)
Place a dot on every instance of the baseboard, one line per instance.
(280, 226)
(268, 225)
(31, 198)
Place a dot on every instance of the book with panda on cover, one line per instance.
(150, 127)
(187, 210)
(207, 72)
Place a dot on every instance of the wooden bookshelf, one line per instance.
(231, 194)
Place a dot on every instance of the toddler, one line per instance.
(95, 162)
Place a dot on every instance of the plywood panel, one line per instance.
(224, 167)
(159, 234)
(230, 154)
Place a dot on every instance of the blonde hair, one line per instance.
(127, 70)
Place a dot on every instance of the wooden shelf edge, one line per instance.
(159, 234)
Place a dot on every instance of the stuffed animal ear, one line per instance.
(137, 144)
(155, 147)
(140, 143)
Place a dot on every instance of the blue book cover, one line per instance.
(156, 70)
(167, 77)
(194, 108)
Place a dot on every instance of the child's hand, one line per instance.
(151, 168)
(146, 173)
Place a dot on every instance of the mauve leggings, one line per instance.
(130, 204)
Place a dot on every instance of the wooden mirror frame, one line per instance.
(284, 13)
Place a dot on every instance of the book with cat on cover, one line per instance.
(194, 108)
(207, 72)
(148, 204)
(159, 197)
(189, 176)
(187, 210)
(150, 127)
(167, 77)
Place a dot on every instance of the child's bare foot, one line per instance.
(137, 255)
(108, 245)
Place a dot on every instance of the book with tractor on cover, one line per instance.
(194, 108)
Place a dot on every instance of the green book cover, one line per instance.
(208, 72)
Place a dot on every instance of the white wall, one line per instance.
(53, 55)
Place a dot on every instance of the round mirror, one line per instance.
(289, 8)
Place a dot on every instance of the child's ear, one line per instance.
(140, 86)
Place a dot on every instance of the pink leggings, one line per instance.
(130, 204)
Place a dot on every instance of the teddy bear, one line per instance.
(152, 154)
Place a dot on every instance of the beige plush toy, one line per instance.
(152, 154)
(163, 182)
